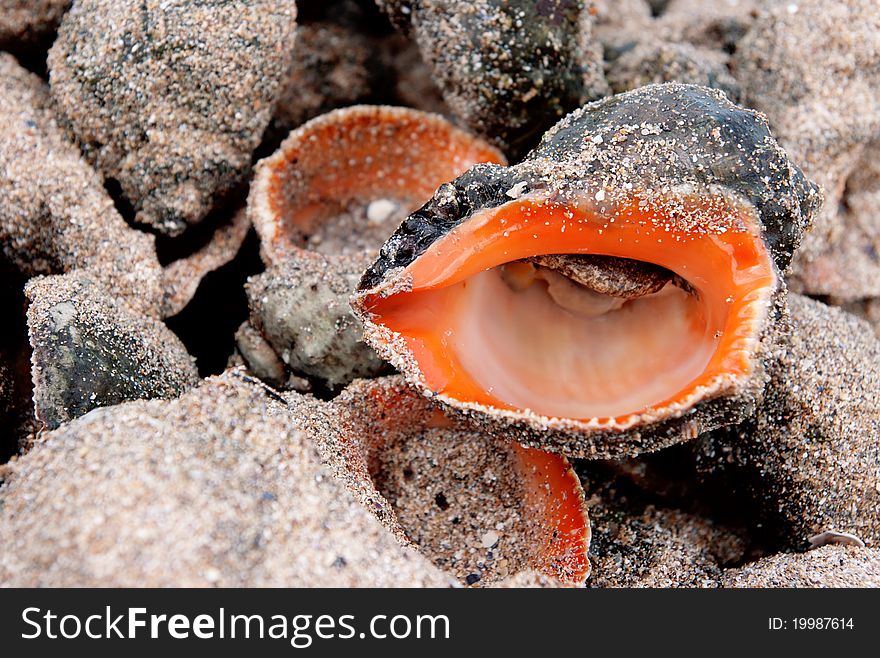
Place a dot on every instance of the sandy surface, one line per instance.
(829, 566)
(811, 455)
(215, 489)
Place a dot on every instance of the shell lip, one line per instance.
(730, 216)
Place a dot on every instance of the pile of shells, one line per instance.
(420, 293)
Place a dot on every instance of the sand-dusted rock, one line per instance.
(55, 214)
(620, 24)
(93, 350)
(813, 68)
(216, 488)
(810, 455)
(653, 62)
(713, 24)
(412, 84)
(829, 566)
(26, 23)
(170, 98)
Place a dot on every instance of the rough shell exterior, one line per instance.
(652, 142)
(170, 98)
(217, 488)
(810, 455)
(509, 69)
(301, 308)
(55, 214)
(823, 104)
(91, 350)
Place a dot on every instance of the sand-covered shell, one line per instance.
(479, 508)
(597, 359)
(322, 206)
(810, 456)
(215, 488)
(507, 69)
(823, 104)
(92, 350)
(170, 98)
(333, 66)
(55, 215)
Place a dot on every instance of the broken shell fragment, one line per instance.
(671, 175)
(322, 206)
(301, 309)
(170, 99)
(832, 537)
(181, 278)
(480, 508)
(340, 183)
(91, 350)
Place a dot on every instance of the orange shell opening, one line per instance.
(477, 341)
(348, 158)
(553, 498)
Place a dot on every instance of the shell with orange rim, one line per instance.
(481, 508)
(323, 204)
(608, 295)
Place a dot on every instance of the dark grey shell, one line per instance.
(652, 140)
(507, 68)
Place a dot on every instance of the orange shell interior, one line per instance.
(553, 500)
(477, 342)
(360, 154)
